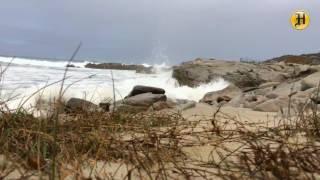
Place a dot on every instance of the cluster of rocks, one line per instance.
(268, 86)
(243, 75)
(140, 99)
(120, 66)
(265, 86)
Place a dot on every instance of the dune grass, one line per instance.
(151, 145)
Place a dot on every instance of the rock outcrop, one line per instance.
(203, 71)
(265, 86)
(119, 66)
(311, 59)
(243, 75)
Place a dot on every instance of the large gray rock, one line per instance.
(145, 89)
(146, 99)
(140, 99)
(192, 75)
(224, 95)
(203, 71)
(80, 105)
(310, 81)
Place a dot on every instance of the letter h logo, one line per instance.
(300, 20)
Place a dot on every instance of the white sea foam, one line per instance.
(28, 76)
(36, 62)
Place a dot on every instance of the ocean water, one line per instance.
(27, 79)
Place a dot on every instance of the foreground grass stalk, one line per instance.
(58, 110)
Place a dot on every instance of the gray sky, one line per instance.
(155, 30)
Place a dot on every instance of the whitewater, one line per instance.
(24, 77)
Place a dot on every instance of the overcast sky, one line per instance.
(156, 30)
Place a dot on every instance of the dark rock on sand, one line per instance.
(146, 99)
(141, 103)
(80, 105)
(145, 89)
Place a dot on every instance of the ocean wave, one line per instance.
(63, 64)
(40, 62)
(93, 84)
